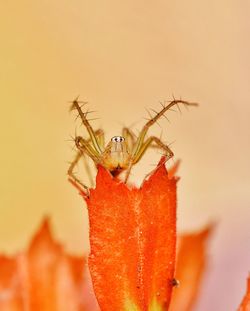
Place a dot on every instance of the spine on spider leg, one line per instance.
(165, 109)
(75, 105)
(154, 119)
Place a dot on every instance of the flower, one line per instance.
(132, 260)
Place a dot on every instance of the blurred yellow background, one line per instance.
(122, 57)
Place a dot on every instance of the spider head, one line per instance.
(118, 145)
(118, 139)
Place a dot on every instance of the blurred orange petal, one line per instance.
(10, 287)
(55, 278)
(191, 263)
(133, 239)
(245, 305)
(43, 278)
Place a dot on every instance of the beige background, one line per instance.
(123, 56)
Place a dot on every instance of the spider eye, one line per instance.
(118, 139)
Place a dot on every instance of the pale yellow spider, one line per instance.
(122, 152)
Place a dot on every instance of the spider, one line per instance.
(122, 152)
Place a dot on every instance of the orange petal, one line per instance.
(10, 287)
(44, 278)
(133, 238)
(173, 169)
(245, 305)
(54, 278)
(191, 262)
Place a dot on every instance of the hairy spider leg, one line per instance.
(73, 177)
(85, 148)
(100, 138)
(99, 134)
(94, 141)
(130, 138)
(88, 170)
(168, 152)
(140, 146)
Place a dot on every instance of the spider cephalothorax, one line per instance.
(116, 155)
(122, 152)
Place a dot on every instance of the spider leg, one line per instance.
(83, 116)
(83, 145)
(141, 145)
(73, 177)
(100, 138)
(153, 120)
(152, 139)
(88, 170)
(129, 136)
(84, 148)
(168, 152)
(99, 134)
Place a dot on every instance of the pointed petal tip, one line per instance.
(245, 304)
(43, 239)
(104, 179)
(103, 173)
(161, 172)
(44, 231)
(45, 225)
(173, 170)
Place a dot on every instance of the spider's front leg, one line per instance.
(140, 152)
(84, 148)
(92, 147)
(141, 144)
(129, 136)
(142, 149)
(92, 134)
(73, 178)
